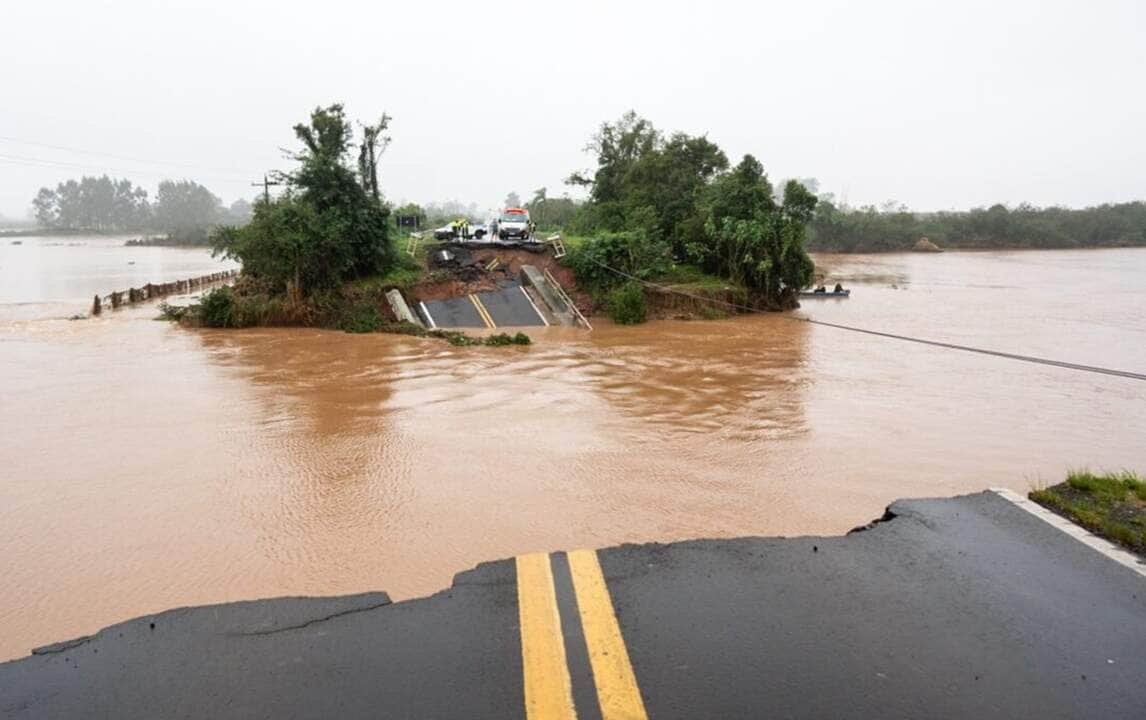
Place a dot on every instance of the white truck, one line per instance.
(514, 224)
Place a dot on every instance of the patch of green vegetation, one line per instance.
(216, 309)
(573, 242)
(405, 274)
(460, 339)
(841, 228)
(1112, 505)
(173, 313)
(362, 319)
(626, 304)
(507, 339)
(693, 276)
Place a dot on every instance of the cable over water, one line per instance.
(923, 341)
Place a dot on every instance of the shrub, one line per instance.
(361, 319)
(171, 312)
(217, 308)
(635, 253)
(626, 305)
(507, 339)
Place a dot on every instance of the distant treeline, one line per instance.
(842, 229)
(183, 210)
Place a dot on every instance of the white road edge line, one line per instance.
(534, 305)
(429, 317)
(1084, 536)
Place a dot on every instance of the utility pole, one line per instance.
(266, 183)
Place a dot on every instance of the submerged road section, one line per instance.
(963, 607)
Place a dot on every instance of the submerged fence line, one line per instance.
(151, 291)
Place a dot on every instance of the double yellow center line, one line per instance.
(548, 689)
(481, 310)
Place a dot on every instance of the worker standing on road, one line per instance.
(493, 229)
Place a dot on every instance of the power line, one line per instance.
(935, 343)
(266, 183)
(117, 157)
(45, 163)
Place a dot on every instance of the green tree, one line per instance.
(374, 143)
(93, 203)
(411, 210)
(644, 181)
(537, 207)
(755, 241)
(186, 211)
(617, 146)
(327, 226)
(46, 206)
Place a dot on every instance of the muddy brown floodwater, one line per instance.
(144, 466)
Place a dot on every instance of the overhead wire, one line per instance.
(44, 163)
(114, 156)
(1130, 375)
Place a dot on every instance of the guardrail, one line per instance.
(151, 291)
(565, 297)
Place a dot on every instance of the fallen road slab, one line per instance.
(960, 607)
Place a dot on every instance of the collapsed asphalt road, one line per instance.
(963, 607)
(508, 306)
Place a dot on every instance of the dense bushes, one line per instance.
(217, 308)
(626, 305)
(634, 253)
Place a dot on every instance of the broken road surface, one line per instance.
(962, 607)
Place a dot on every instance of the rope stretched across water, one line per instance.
(906, 338)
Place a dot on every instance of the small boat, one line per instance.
(833, 294)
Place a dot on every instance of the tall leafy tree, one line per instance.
(374, 143)
(46, 206)
(186, 210)
(752, 239)
(329, 226)
(93, 203)
(647, 182)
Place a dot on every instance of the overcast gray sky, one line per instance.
(934, 104)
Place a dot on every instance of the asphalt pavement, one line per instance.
(507, 307)
(963, 607)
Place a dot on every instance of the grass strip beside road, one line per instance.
(1112, 505)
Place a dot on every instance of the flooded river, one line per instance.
(144, 466)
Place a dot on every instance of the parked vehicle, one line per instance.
(514, 224)
(450, 232)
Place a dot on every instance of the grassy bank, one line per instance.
(1112, 505)
(358, 306)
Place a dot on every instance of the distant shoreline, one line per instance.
(133, 239)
